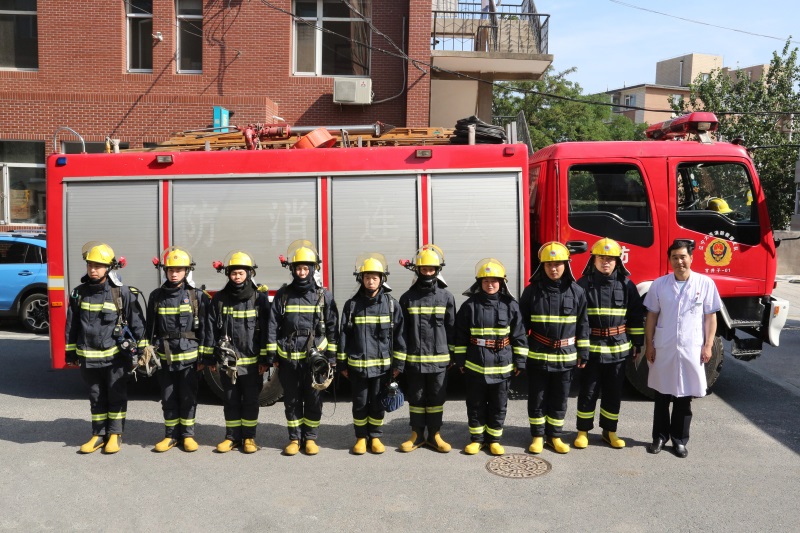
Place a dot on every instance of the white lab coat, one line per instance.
(678, 369)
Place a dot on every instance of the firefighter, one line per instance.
(429, 314)
(490, 346)
(554, 307)
(616, 318)
(104, 331)
(371, 337)
(301, 336)
(237, 325)
(176, 320)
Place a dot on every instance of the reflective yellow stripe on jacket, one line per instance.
(489, 370)
(549, 319)
(606, 311)
(184, 308)
(360, 363)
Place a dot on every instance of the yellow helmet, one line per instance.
(489, 267)
(304, 255)
(240, 259)
(607, 247)
(719, 205)
(553, 251)
(371, 265)
(429, 255)
(98, 252)
(371, 262)
(174, 257)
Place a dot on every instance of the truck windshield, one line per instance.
(717, 199)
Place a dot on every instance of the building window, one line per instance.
(22, 196)
(140, 35)
(19, 35)
(190, 35)
(341, 53)
(705, 76)
(630, 100)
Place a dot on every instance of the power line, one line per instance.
(701, 22)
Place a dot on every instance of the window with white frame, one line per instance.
(22, 182)
(331, 39)
(19, 35)
(140, 35)
(190, 35)
(630, 99)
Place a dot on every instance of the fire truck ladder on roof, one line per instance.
(282, 136)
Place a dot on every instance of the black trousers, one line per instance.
(486, 407)
(302, 403)
(241, 405)
(108, 397)
(604, 380)
(547, 400)
(368, 411)
(178, 401)
(426, 394)
(677, 426)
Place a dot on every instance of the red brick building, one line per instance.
(138, 70)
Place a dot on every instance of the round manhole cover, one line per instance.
(518, 465)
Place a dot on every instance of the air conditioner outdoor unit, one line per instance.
(352, 91)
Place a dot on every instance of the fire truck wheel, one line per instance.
(638, 377)
(34, 313)
(270, 393)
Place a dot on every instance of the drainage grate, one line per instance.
(518, 465)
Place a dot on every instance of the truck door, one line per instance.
(122, 214)
(715, 206)
(610, 199)
(372, 214)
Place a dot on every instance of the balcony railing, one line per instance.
(515, 28)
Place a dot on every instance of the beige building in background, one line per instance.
(673, 77)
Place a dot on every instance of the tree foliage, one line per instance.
(552, 120)
(758, 110)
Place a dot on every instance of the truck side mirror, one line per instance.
(577, 247)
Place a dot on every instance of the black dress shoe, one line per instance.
(680, 450)
(656, 446)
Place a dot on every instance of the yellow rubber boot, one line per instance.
(537, 444)
(472, 448)
(164, 445)
(582, 440)
(611, 438)
(189, 444)
(292, 448)
(227, 445)
(440, 444)
(377, 446)
(495, 448)
(558, 445)
(360, 447)
(311, 447)
(416, 440)
(112, 446)
(93, 444)
(249, 446)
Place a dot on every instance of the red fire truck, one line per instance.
(473, 201)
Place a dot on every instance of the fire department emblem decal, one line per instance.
(718, 253)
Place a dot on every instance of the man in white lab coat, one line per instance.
(679, 334)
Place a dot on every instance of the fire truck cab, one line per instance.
(646, 194)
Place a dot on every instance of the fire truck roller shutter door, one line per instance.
(122, 214)
(372, 214)
(211, 217)
(475, 216)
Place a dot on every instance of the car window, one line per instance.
(13, 252)
(34, 255)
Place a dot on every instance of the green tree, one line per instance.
(552, 119)
(758, 111)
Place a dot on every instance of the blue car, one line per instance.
(23, 280)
